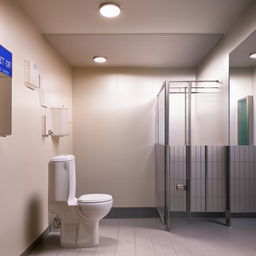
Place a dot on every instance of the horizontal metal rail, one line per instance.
(193, 81)
(195, 87)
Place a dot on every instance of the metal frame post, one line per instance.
(188, 91)
(167, 158)
(188, 152)
(228, 205)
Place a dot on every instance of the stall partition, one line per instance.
(191, 180)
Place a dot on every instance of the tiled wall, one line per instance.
(160, 178)
(208, 178)
(243, 178)
(207, 181)
(177, 176)
(198, 179)
(216, 179)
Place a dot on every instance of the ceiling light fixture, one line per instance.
(99, 59)
(110, 10)
(253, 55)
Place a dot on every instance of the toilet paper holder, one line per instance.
(181, 187)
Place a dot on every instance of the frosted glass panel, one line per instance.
(177, 119)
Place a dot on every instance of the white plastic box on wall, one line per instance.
(32, 75)
(59, 122)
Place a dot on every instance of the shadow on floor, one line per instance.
(107, 241)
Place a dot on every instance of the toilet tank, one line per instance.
(62, 179)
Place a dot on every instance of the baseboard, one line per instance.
(243, 215)
(198, 214)
(132, 212)
(36, 242)
(151, 212)
(215, 214)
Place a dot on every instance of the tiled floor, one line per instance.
(146, 237)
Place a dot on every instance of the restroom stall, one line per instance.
(205, 144)
(192, 158)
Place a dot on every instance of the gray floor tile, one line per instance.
(69, 252)
(87, 252)
(147, 237)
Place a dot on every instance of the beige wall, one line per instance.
(24, 155)
(114, 126)
(114, 131)
(216, 66)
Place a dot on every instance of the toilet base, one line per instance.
(80, 224)
(81, 234)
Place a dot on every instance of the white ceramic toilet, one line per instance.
(79, 216)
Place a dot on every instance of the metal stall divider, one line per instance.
(162, 154)
(187, 90)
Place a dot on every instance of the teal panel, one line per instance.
(243, 123)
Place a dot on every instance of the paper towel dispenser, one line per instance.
(59, 122)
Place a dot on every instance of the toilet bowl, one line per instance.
(79, 216)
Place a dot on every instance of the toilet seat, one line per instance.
(94, 198)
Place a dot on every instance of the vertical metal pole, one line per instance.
(188, 181)
(167, 185)
(228, 208)
(189, 112)
(157, 120)
(188, 154)
(156, 150)
(167, 176)
(205, 176)
(228, 159)
(167, 113)
(185, 102)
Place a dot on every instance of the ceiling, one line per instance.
(155, 33)
(138, 16)
(139, 50)
(240, 56)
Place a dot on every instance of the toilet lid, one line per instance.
(94, 198)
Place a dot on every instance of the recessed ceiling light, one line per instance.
(109, 10)
(253, 55)
(99, 59)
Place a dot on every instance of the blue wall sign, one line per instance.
(5, 61)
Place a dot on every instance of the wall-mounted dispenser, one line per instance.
(32, 75)
(57, 124)
(59, 121)
(5, 92)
